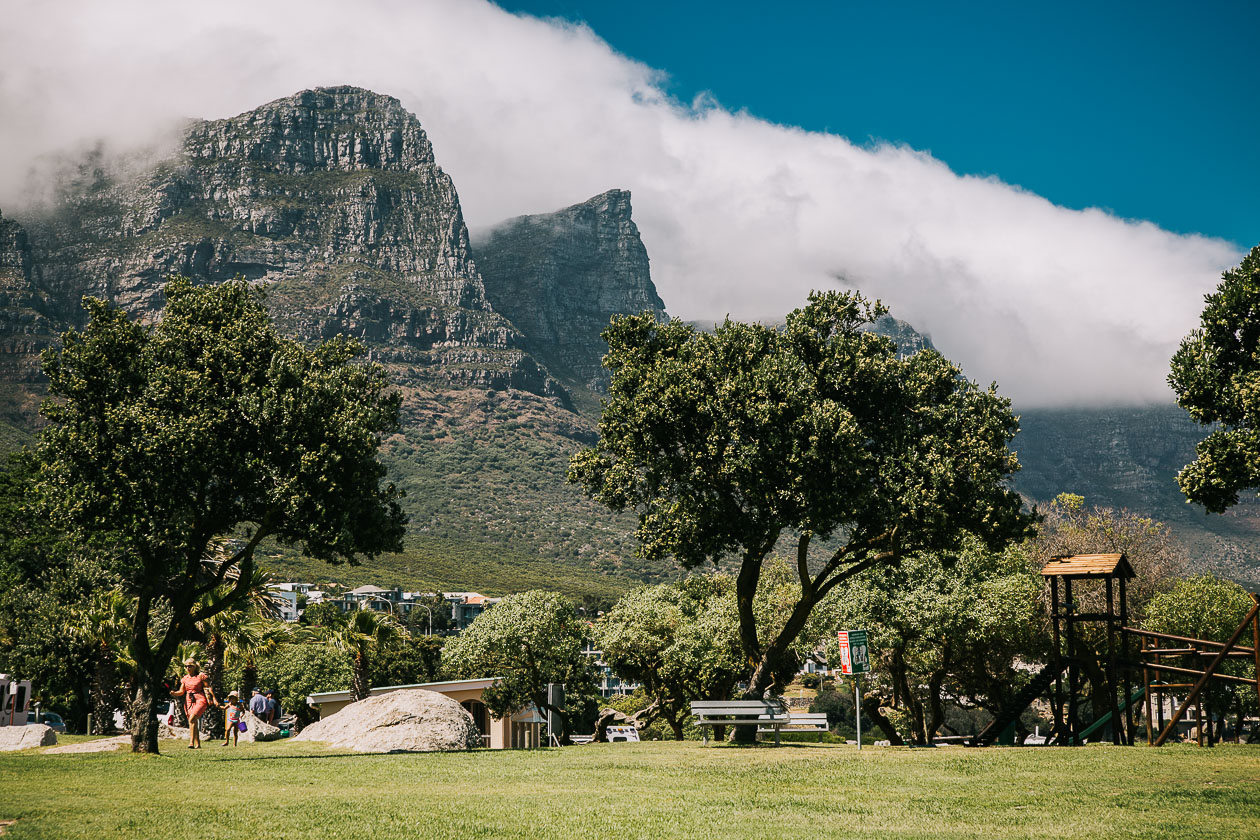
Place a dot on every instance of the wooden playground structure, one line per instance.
(1127, 651)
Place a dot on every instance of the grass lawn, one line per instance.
(650, 790)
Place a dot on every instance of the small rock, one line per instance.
(167, 731)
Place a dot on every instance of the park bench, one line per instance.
(761, 713)
(802, 722)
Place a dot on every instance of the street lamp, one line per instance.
(384, 601)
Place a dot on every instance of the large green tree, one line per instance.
(680, 641)
(1216, 376)
(820, 433)
(164, 440)
(526, 641)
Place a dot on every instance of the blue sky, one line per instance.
(1146, 109)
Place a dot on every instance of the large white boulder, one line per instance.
(26, 737)
(407, 720)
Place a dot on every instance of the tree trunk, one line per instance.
(359, 686)
(935, 706)
(180, 710)
(212, 724)
(870, 708)
(144, 724)
(771, 662)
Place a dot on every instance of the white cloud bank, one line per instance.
(739, 215)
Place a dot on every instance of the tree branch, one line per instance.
(872, 560)
(802, 564)
(243, 580)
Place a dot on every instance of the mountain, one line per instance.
(560, 277)
(332, 200)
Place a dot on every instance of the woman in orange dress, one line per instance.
(194, 688)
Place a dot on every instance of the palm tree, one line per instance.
(102, 623)
(362, 633)
(241, 634)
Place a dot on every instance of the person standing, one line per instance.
(273, 708)
(258, 704)
(231, 719)
(194, 688)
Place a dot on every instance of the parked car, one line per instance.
(51, 718)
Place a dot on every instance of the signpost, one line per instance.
(855, 661)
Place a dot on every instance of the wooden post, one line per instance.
(1112, 676)
(1199, 713)
(1146, 682)
(1058, 657)
(1073, 676)
(1255, 648)
(1125, 645)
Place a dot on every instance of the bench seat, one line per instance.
(803, 722)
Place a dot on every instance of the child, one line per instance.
(231, 717)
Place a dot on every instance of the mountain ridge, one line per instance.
(333, 201)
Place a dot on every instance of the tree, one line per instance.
(239, 634)
(526, 641)
(363, 633)
(321, 614)
(416, 659)
(430, 615)
(42, 579)
(1206, 607)
(102, 623)
(726, 443)
(680, 641)
(1069, 527)
(163, 440)
(297, 671)
(1216, 377)
(944, 632)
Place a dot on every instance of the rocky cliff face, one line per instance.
(28, 319)
(331, 198)
(561, 277)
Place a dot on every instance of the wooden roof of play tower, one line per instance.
(1089, 566)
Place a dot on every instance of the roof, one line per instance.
(449, 685)
(1089, 565)
(368, 590)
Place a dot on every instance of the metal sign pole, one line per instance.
(857, 706)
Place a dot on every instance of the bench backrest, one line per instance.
(737, 707)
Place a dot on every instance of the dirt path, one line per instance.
(101, 745)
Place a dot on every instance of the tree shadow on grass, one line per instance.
(305, 756)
